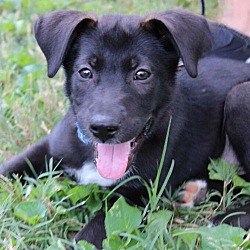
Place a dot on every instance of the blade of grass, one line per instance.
(155, 194)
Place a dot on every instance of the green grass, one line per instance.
(46, 212)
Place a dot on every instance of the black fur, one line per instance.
(113, 106)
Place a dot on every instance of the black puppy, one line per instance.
(124, 85)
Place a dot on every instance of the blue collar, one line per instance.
(83, 138)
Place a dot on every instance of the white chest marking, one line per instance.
(229, 154)
(88, 174)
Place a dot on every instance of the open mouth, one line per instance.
(113, 160)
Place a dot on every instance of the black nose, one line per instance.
(103, 128)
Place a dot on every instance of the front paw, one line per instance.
(193, 193)
(94, 232)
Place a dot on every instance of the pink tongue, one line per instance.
(112, 159)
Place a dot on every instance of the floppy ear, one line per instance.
(54, 33)
(188, 33)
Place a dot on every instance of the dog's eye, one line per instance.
(85, 73)
(141, 74)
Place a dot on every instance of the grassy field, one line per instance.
(46, 212)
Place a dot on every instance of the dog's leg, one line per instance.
(235, 217)
(94, 232)
(34, 156)
(237, 122)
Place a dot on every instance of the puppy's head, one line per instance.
(120, 71)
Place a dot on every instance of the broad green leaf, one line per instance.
(84, 245)
(30, 211)
(113, 242)
(94, 202)
(158, 221)
(122, 218)
(241, 183)
(188, 237)
(80, 192)
(127, 241)
(58, 245)
(157, 227)
(53, 247)
(221, 237)
(221, 170)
